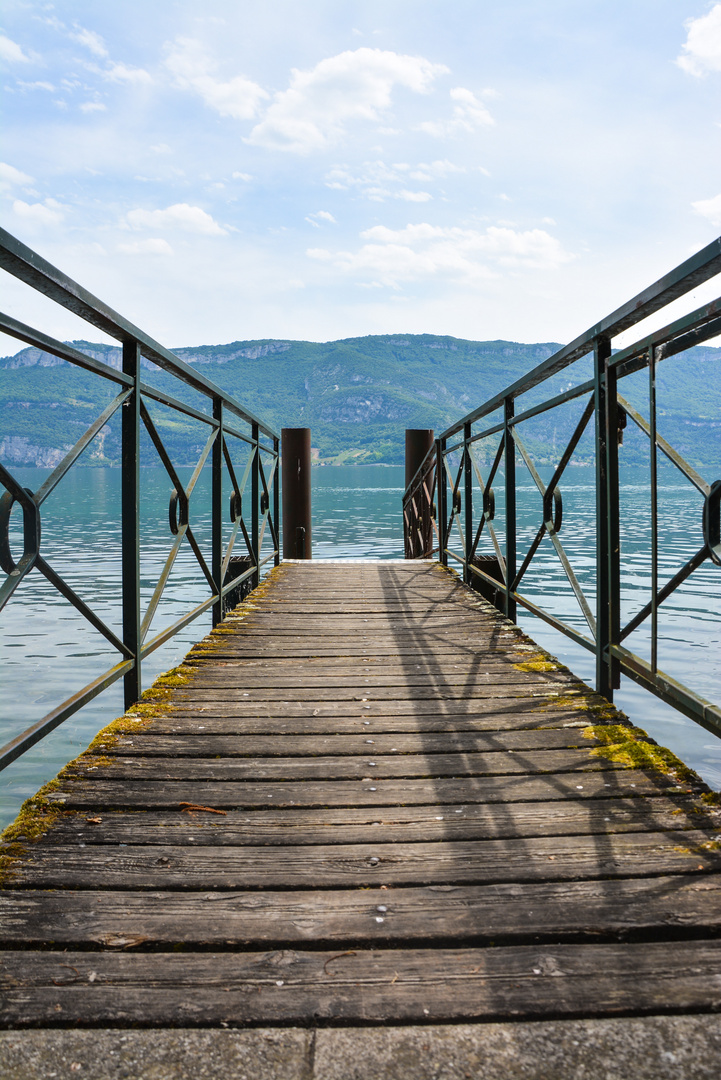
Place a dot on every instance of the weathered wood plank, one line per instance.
(382, 766)
(412, 985)
(386, 823)
(559, 858)
(364, 692)
(220, 721)
(500, 711)
(229, 746)
(229, 679)
(550, 911)
(381, 663)
(85, 793)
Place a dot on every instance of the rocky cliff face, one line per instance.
(19, 450)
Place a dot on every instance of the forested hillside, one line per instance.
(357, 395)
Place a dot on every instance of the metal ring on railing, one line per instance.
(555, 518)
(175, 523)
(264, 502)
(489, 504)
(456, 502)
(434, 511)
(31, 530)
(236, 506)
(712, 522)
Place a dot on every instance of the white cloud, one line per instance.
(10, 177)
(424, 251)
(118, 72)
(709, 208)
(378, 181)
(11, 53)
(36, 86)
(180, 216)
(414, 196)
(238, 97)
(152, 246)
(161, 148)
(90, 40)
(93, 106)
(701, 52)
(424, 172)
(468, 114)
(242, 176)
(321, 215)
(49, 212)
(355, 85)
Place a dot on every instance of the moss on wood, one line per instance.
(632, 748)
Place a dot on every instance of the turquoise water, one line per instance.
(49, 651)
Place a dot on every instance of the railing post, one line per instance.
(654, 506)
(130, 518)
(254, 492)
(468, 503)
(217, 511)
(276, 502)
(604, 682)
(442, 496)
(613, 519)
(509, 453)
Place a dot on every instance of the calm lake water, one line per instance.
(49, 651)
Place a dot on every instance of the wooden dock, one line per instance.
(366, 798)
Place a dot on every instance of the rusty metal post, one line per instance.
(418, 442)
(295, 466)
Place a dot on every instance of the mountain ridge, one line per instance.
(356, 394)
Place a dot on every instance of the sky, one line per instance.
(318, 170)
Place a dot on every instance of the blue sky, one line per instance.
(322, 169)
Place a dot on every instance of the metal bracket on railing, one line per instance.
(176, 524)
(236, 506)
(553, 514)
(31, 532)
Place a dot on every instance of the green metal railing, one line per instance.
(230, 431)
(444, 484)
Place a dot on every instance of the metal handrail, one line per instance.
(250, 518)
(604, 633)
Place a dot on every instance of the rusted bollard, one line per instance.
(295, 472)
(420, 540)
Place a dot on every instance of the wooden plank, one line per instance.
(228, 746)
(87, 793)
(229, 679)
(549, 911)
(500, 711)
(387, 824)
(372, 765)
(559, 858)
(347, 666)
(479, 691)
(409, 985)
(216, 721)
(490, 714)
